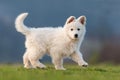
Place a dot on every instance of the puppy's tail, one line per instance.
(19, 24)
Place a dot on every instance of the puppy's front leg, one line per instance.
(77, 57)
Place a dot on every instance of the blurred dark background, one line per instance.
(102, 40)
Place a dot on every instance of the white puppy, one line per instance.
(58, 42)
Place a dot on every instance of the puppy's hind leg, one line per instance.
(34, 59)
(26, 61)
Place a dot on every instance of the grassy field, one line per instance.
(73, 72)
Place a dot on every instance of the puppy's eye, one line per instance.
(78, 29)
(71, 29)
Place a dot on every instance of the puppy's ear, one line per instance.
(82, 20)
(70, 19)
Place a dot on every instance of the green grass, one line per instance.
(73, 72)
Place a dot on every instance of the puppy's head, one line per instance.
(75, 27)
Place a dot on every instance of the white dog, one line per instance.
(56, 42)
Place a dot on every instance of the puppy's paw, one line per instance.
(83, 64)
(60, 69)
(27, 66)
(42, 66)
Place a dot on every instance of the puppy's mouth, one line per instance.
(76, 38)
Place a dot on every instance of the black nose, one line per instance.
(76, 35)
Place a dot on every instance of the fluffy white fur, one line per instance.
(58, 42)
